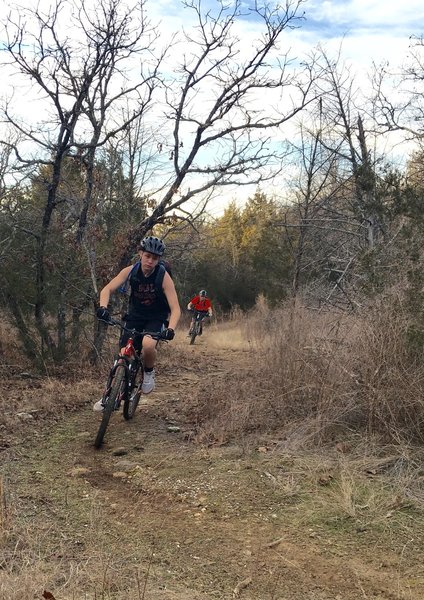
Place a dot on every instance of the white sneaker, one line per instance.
(148, 382)
(98, 406)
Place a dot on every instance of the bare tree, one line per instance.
(322, 232)
(335, 215)
(314, 186)
(399, 94)
(346, 136)
(81, 81)
(221, 125)
(223, 104)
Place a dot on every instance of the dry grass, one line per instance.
(75, 563)
(319, 376)
(316, 375)
(281, 383)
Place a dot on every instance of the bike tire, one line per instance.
(132, 399)
(195, 333)
(115, 389)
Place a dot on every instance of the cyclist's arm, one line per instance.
(171, 296)
(113, 285)
(193, 302)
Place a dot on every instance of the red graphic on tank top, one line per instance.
(145, 293)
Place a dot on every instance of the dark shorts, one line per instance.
(152, 325)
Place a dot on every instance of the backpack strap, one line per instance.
(159, 277)
(124, 288)
(162, 269)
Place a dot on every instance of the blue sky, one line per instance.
(368, 30)
(363, 31)
(335, 17)
(383, 26)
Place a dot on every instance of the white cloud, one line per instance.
(368, 13)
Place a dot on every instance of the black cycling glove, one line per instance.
(168, 334)
(103, 313)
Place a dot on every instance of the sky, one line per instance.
(364, 31)
(369, 29)
(373, 17)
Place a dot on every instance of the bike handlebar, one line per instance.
(153, 334)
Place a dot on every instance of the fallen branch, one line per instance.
(274, 543)
(240, 586)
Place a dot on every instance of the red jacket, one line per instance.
(202, 304)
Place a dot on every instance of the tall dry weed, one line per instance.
(390, 374)
(315, 375)
(305, 359)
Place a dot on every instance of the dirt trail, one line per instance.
(153, 515)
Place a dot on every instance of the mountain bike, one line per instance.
(197, 327)
(124, 381)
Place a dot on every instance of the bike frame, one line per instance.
(130, 360)
(200, 315)
(123, 359)
(197, 319)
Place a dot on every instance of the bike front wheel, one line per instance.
(195, 332)
(133, 397)
(116, 388)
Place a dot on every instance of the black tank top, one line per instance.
(146, 302)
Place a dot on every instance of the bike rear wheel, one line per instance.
(117, 387)
(133, 397)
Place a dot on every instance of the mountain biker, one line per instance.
(149, 309)
(200, 303)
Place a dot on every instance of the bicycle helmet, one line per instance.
(202, 293)
(153, 245)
